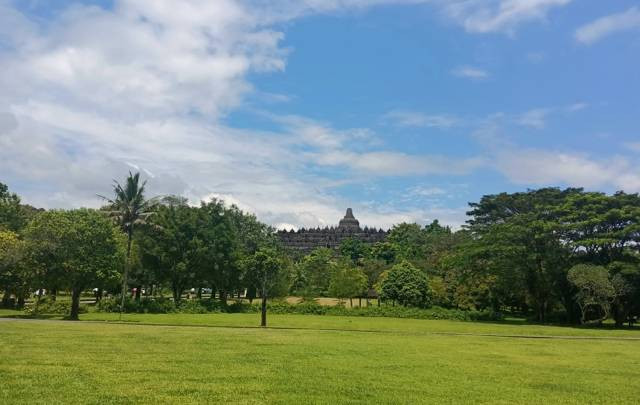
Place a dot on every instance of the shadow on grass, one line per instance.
(527, 322)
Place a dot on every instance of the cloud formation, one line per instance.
(609, 25)
(404, 118)
(92, 92)
(470, 72)
(482, 16)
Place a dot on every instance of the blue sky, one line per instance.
(404, 110)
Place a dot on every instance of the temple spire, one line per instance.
(349, 221)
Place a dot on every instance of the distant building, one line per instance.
(306, 240)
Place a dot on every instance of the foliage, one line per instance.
(317, 267)
(348, 282)
(47, 306)
(13, 270)
(594, 291)
(354, 250)
(13, 216)
(81, 247)
(406, 284)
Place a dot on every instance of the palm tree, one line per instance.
(129, 207)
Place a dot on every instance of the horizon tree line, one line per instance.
(553, 255)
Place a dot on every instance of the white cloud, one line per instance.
(534, 118)
(94, 92)
(470, 72)
(422, 191)
(91, 92)
(537, 117)
(385, 163)
(498, 15)
(608, 25)
(403, 118)
(633, 146)
(577, 107)
(542, 167)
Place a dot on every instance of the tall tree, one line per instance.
(594, 291)
(12, 276)
(522, 236)
(220, 257)
(83, 244)
(129, 207)
(267, 264)
(318, 267)
(12, 215)
(406, 284)
(348, 281)
(172, 246)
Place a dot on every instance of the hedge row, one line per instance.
(163, 306)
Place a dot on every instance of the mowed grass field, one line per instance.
(181, 358)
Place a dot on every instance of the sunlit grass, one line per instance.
(322, 359)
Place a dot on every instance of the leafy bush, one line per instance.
(49, 307)
(144, 306)
(312, 308)
(307, 307)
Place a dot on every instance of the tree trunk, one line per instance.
(138, 292)
(75, 304)
(351, 302)
(126, 268)
(6, 298)
(177, 293)
(223, 298)
(20, 300)
(199, 293)
(360, 302)
(619, 314)
(263, 318)
(54, 294)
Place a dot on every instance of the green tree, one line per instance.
(130, 208)
(625, 278)
(519, 238)
(12, 215)
(594, 291)
(267, 266)
(12, 274)
(318, 267)
(385, 251)
(354, 250)
(348, 282)
(406, 284)
(372, 269)
(173, 247)
(82, 244)
(221, 255)
(408, 240)
(250, 235)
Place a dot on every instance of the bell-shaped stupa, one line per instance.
(349, 221)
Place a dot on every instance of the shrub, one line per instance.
(48, 307)
(307, 307)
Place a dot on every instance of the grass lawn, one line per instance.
(320, 359)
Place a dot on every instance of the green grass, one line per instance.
(318, 359)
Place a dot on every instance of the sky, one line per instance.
(404, 110)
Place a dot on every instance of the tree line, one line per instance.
(554, 255)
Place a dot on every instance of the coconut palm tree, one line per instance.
(129, 207)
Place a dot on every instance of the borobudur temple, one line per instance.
(330, 237)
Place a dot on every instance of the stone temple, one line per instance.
(306, 240)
